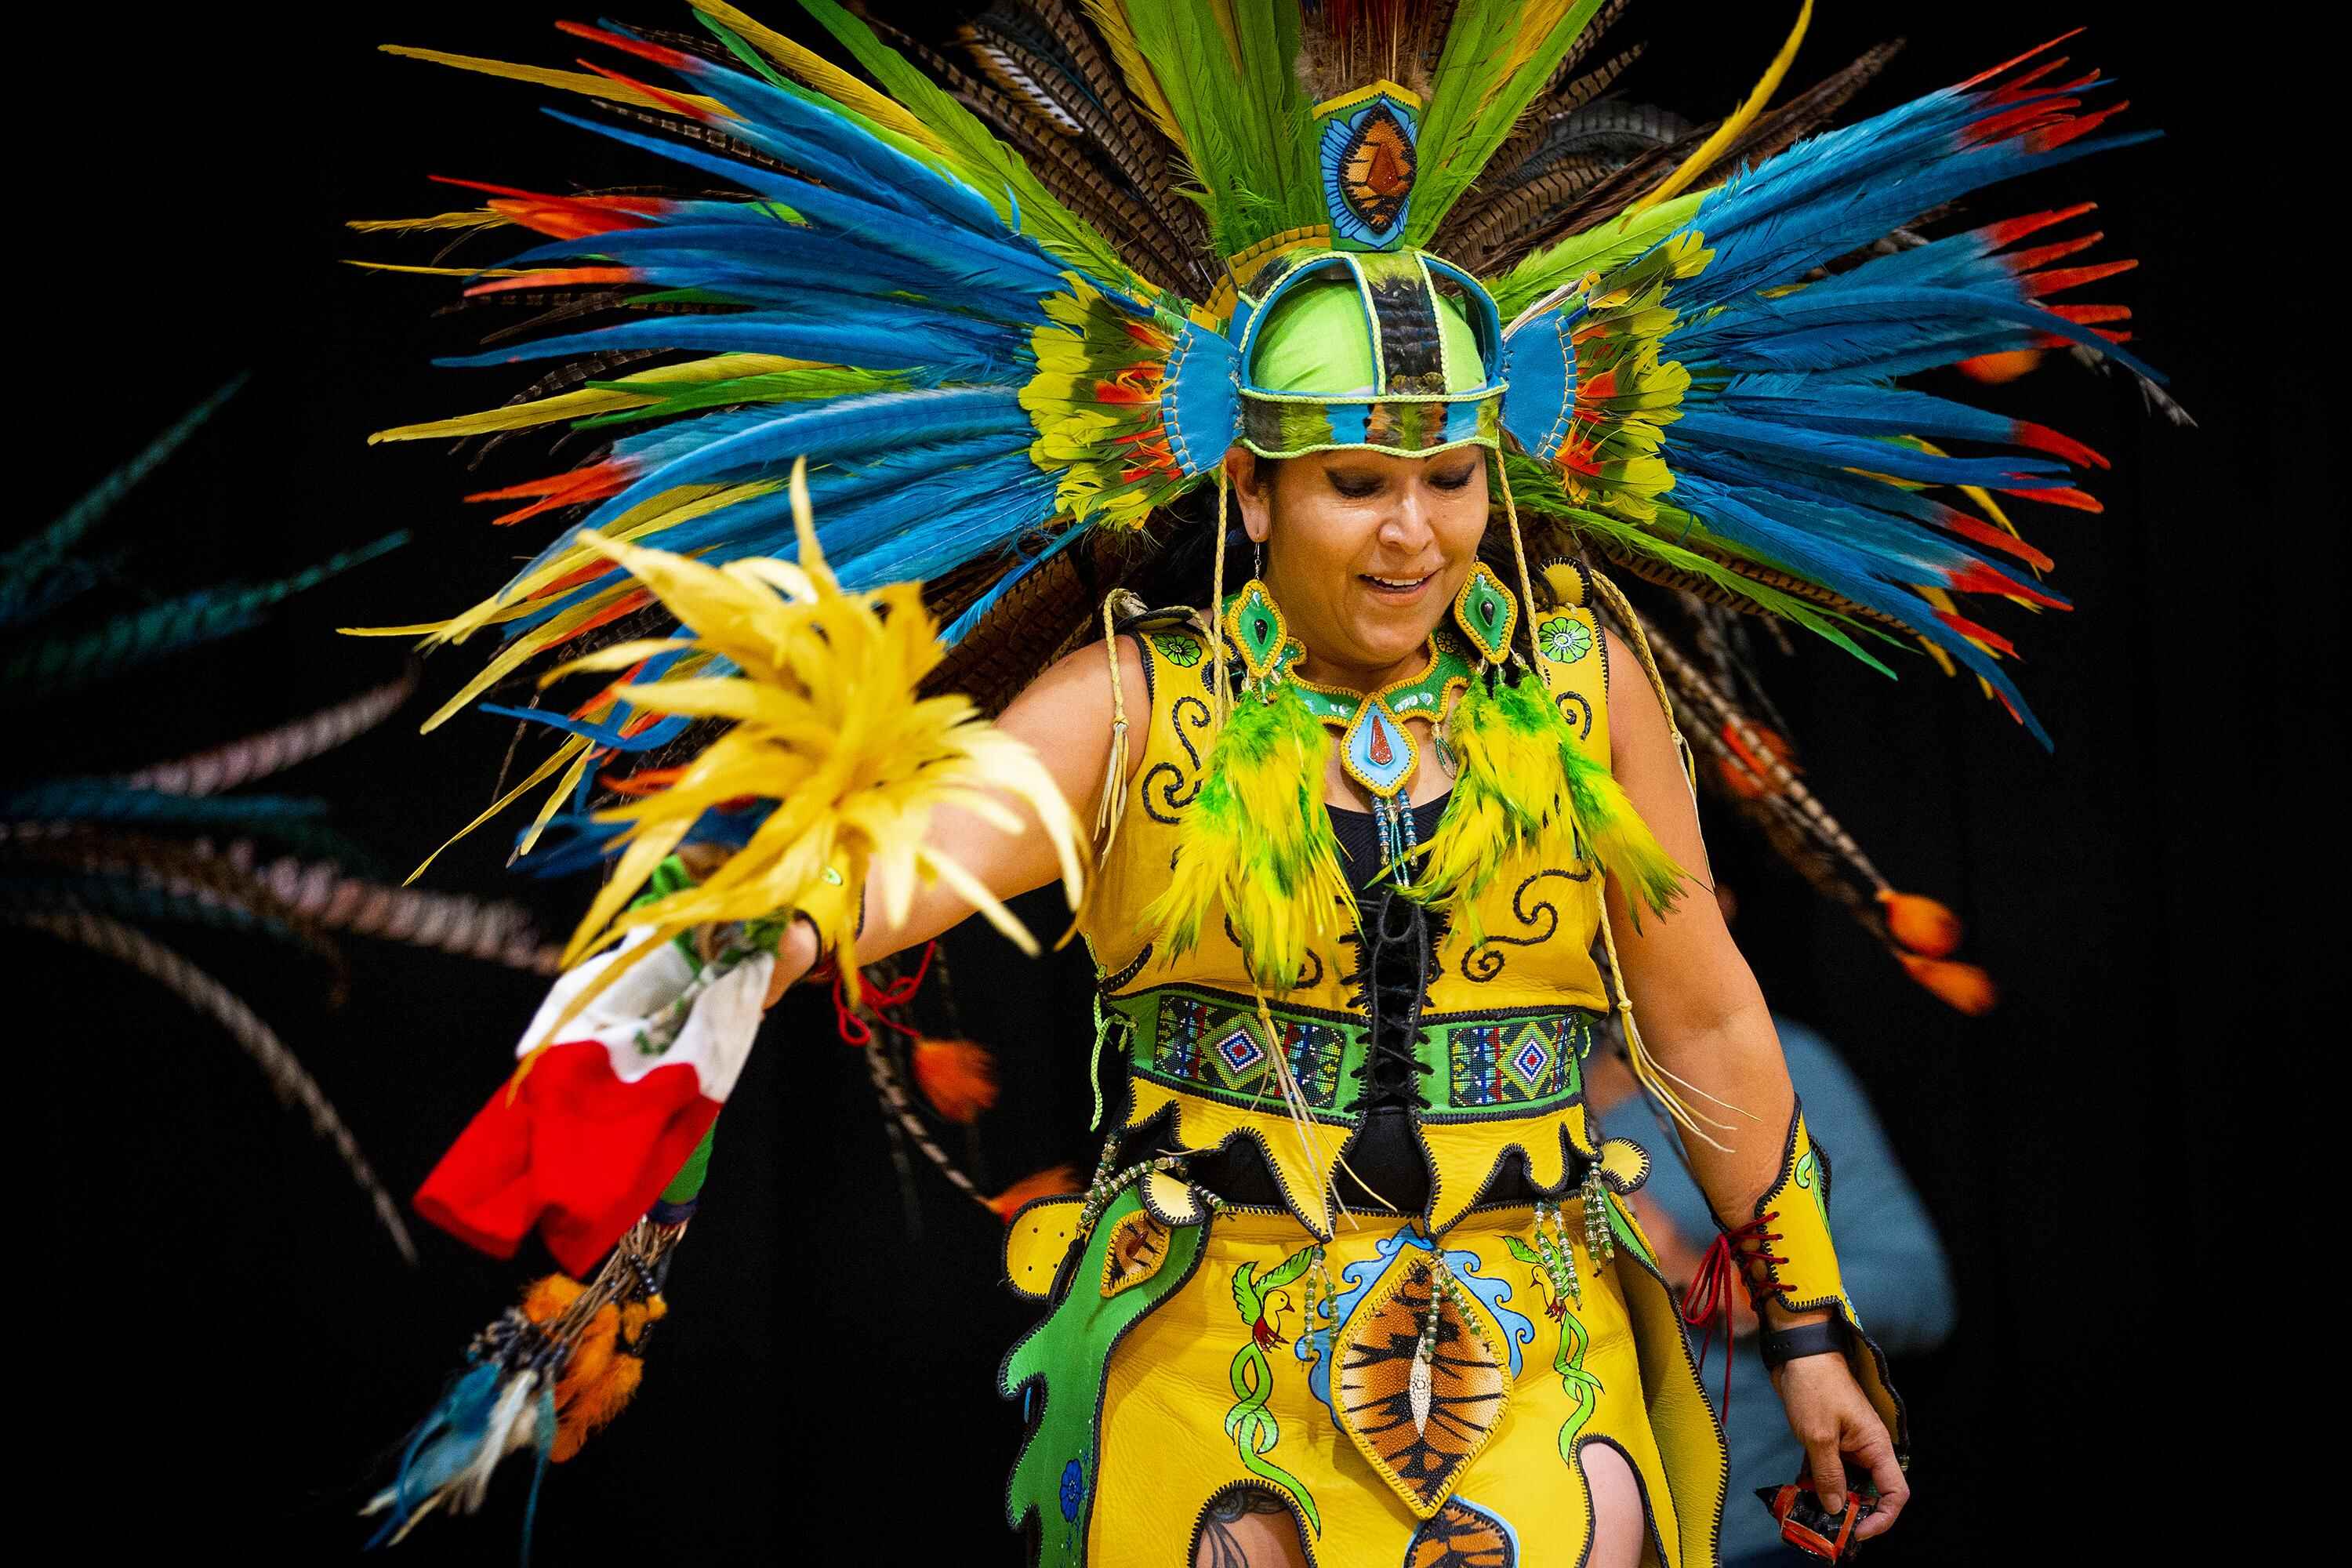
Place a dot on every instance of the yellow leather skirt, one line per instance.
(1182, 1363)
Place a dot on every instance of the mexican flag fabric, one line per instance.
(585, 1142)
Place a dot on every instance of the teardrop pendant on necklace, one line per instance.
(1377, 751)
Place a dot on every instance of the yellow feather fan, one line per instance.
(824, 723)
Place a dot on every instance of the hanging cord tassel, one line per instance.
(1621, 610)
(1217, 601)
(1654, 1075)
(1111, 808)
(1302, 1119)
(1518, 550)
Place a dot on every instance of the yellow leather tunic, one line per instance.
(1507, 1020)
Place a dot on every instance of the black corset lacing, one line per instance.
(1399, 958)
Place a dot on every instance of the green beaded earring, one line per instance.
(1487, 613)
(1256, 627)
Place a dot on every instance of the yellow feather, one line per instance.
(827, 78)
(587, 401)
(825, 725)
(1742, 118)
(584, 82)
(572, 746)
(473, 218)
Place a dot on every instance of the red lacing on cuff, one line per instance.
(896, 994)
(1707, 1302)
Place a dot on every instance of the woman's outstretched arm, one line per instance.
(1704, 1019)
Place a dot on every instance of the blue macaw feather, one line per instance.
(846, 426)
(952, 347)
(779, 253)
(606, 735)
(1731, 433)
(763, 525)
(885, 227)
(1891, 542)
(1860, 410)
(797, 122)
(1836, 323)
(1840, 489)
(1800, 549)
(575, 841)
(1834, 193)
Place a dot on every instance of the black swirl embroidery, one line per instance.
(1172, 795)
(1577, 708)
(1483, 963)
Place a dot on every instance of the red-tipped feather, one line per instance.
(555, 277)
(564, 217)
(2043, 255)
(2058, 278)
(2041, 438)
(2092, 315)
(2066, 496)
(1982, 76)
(1976, 577)
(1977, 530)
(660, 54)
(2058, 135)
(1991, 639)
(2009, 231)
(669, 100)
(563, 490)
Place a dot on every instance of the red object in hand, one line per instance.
(1809, 1527)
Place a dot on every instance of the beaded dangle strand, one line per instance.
(1442, 1286)
(1559, 1259)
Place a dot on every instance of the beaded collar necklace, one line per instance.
(1375, 748)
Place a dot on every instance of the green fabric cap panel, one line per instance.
(1318, 343)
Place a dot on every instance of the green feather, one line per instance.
(1257, 842)
(1603, 247)
(1476, 97)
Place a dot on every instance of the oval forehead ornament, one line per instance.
(1367, 147)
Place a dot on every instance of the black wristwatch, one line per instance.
(1780, 1346)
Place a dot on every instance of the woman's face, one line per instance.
(1365, 552)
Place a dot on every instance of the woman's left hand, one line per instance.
(1834, 1419)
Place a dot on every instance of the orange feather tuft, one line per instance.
(957, 1076)
(547, 1298)
(1993, 370)
(1052, 1181)
(1921, 923)
(1961, 986)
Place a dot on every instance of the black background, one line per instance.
(233, 1341)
